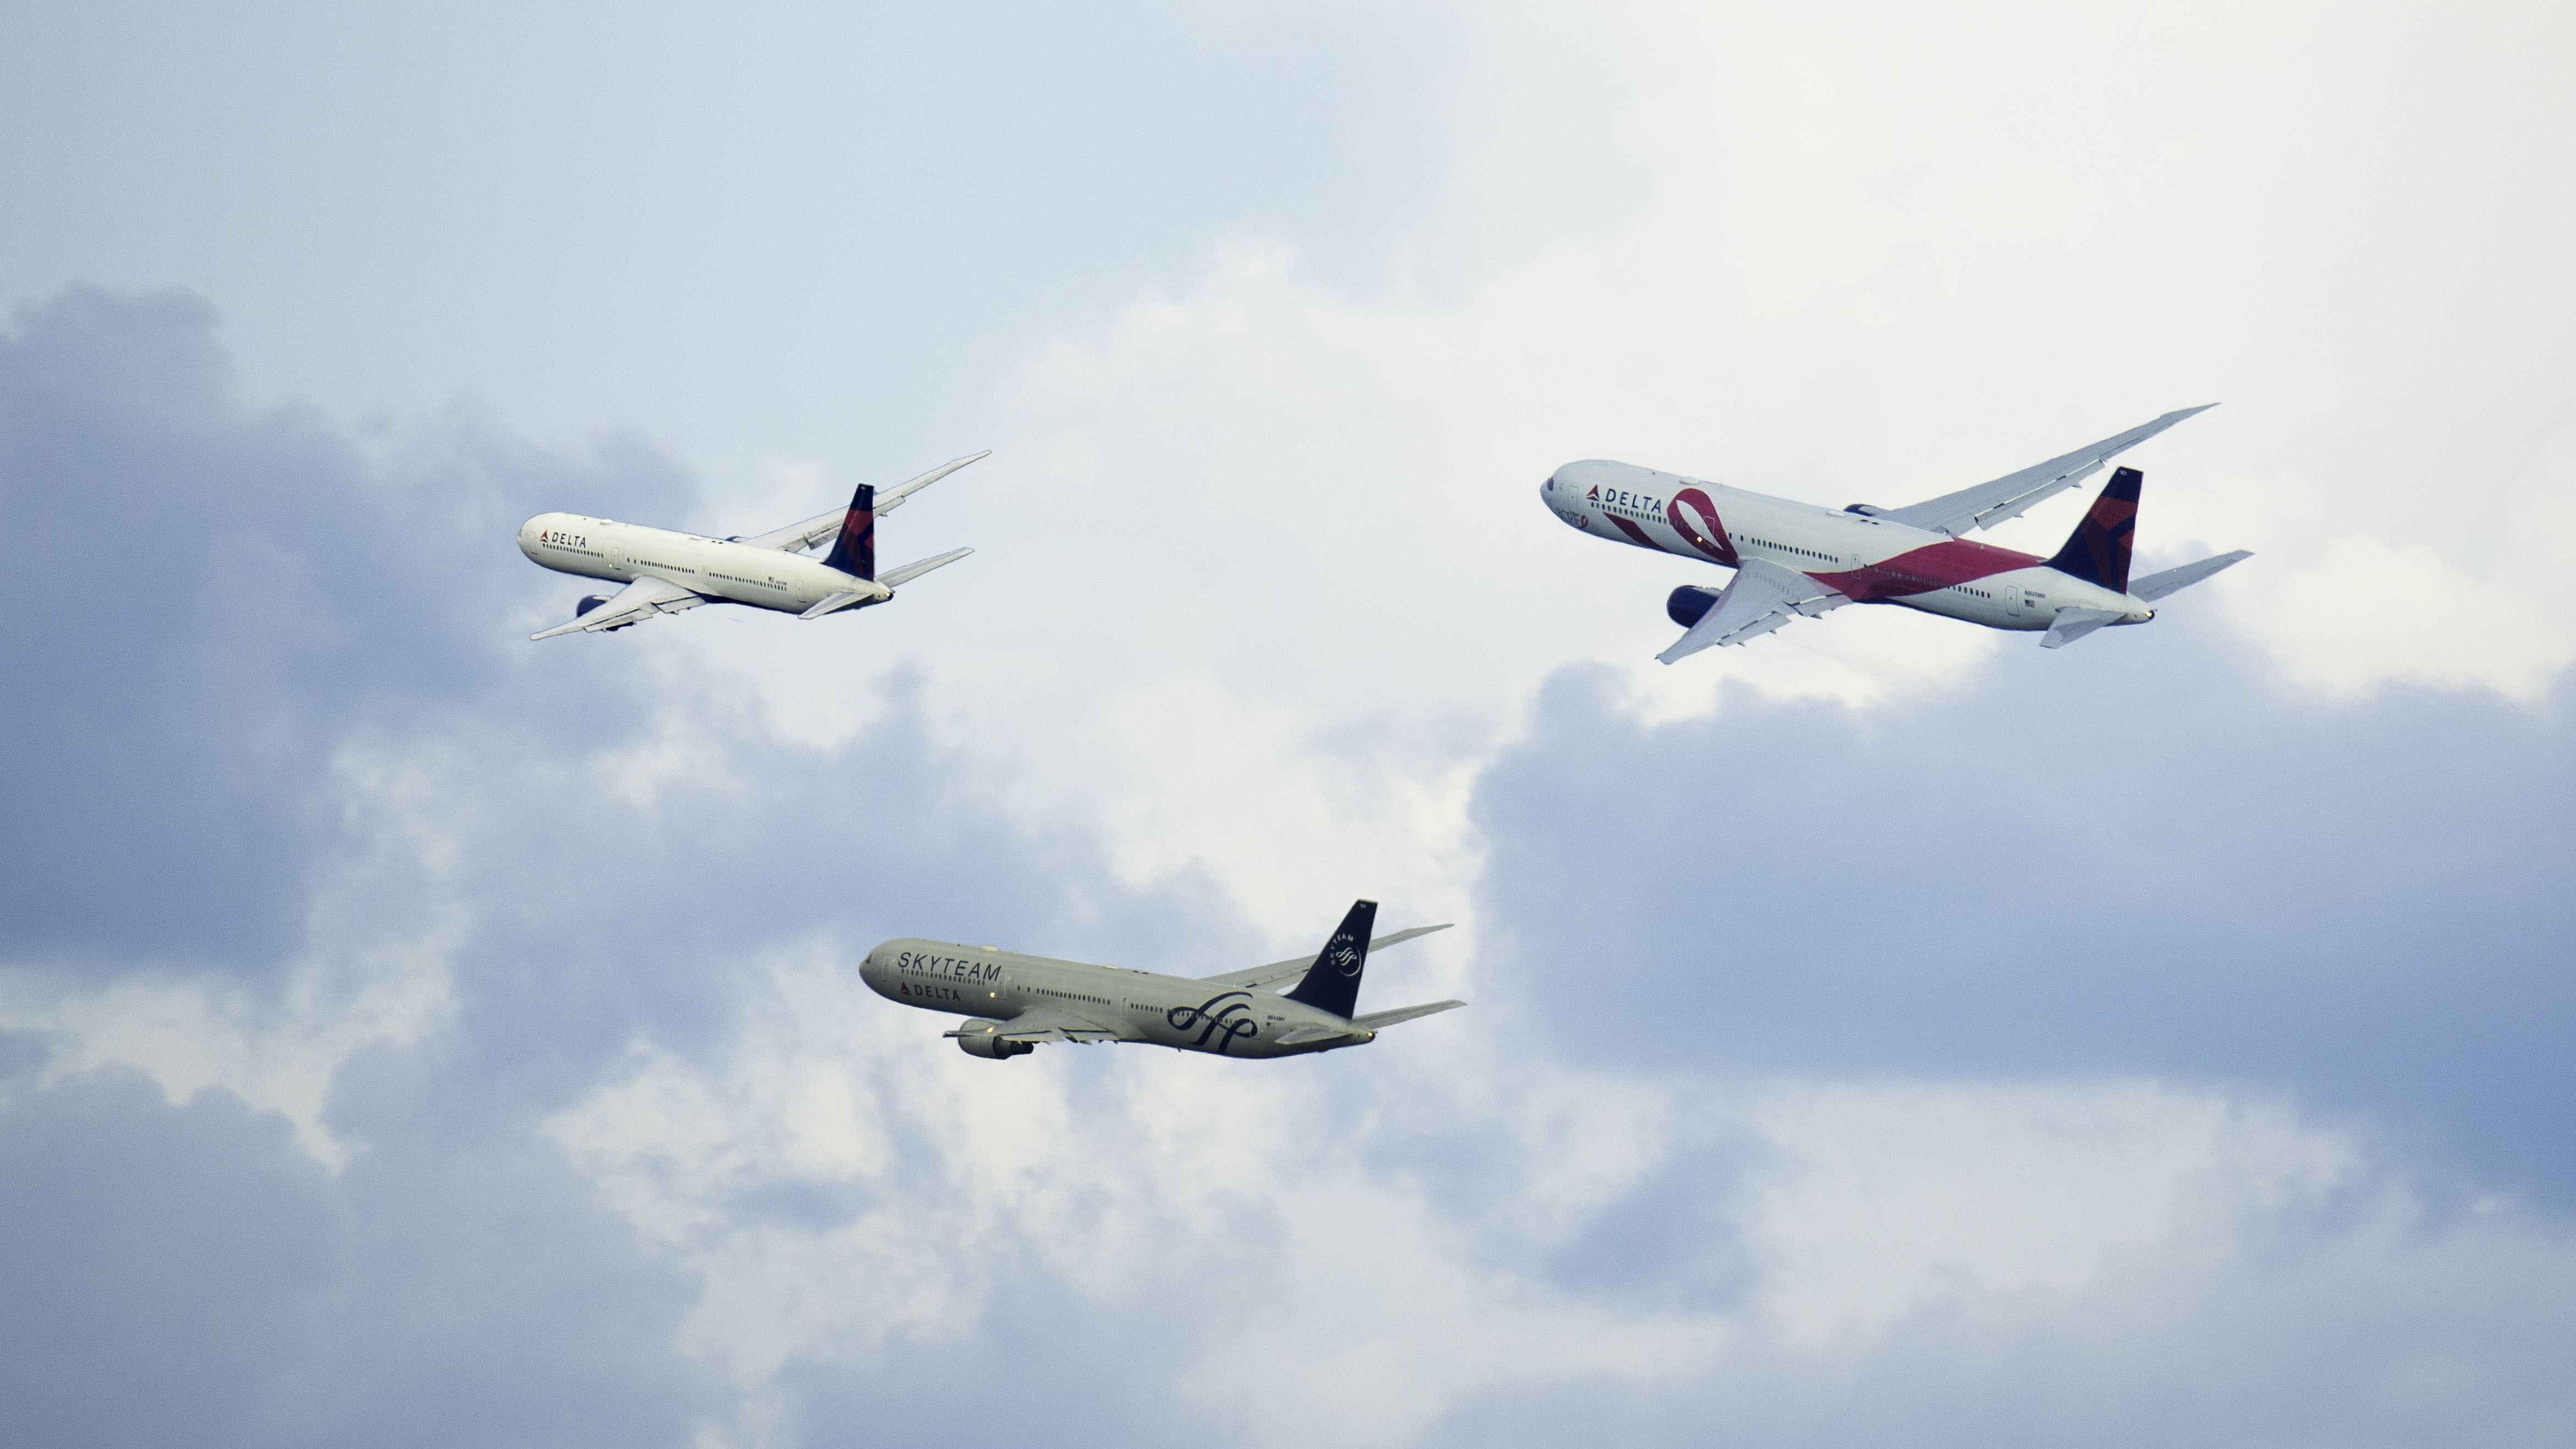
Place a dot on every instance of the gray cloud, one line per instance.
(212, 597)
(339, 747)
(2142, 859)
(284, 596)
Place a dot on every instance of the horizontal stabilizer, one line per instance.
(850, 600)
(896, 578)
(2156, 586)
(2074, 624)
(1380, 1020)
(1308, 1035)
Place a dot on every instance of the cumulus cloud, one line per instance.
(1888, 1033)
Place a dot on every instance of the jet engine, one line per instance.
(977, 1039)
(1690, 603)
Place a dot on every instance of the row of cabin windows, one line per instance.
(1793, 548)
(1073, 996)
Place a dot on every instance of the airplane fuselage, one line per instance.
(1866, 559)
(714, 568)
(1173, 1011)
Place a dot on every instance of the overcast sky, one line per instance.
(1886, 1033)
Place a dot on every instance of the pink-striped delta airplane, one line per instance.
(1795, 560)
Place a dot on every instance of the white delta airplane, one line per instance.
(1014, 1002)
(1795, 560)
(665, 572)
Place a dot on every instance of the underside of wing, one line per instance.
(1762, 597)
(633, 604)
(1040, 1024)
(797, 537)
(1278, 971)
(2010, 496)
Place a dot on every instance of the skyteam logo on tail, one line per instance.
(1344, 956)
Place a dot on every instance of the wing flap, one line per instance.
(1760, 598)
(632, 604)
(2013, 494)
(1049, 1023)
(1260, 976)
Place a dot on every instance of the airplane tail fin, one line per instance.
(1333, 982)
(2098, 551)
(855, 551)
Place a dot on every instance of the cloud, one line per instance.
(2147, 858)
(1894, 1034)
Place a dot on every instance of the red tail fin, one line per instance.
(855, 551)
(2098, 551)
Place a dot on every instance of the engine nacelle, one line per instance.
(980, 1039)
(588, 603)
(1690, 604)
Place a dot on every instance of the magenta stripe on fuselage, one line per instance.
(1923, 570)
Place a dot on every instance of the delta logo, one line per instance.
(1594, 496)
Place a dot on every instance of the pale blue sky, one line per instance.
(1885, 1034)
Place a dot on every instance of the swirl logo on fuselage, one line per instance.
(1690, 501)
(1228, 1012)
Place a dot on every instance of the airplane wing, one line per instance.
(1050, 1023)
(633, 604)
(1988, 504)
(1261, 976)
(1761, 597)
(797, 537)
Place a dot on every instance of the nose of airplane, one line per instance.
(528, 538)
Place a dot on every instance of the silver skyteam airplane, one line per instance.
(1014, 1002)
(665, 572)
(1795, 560)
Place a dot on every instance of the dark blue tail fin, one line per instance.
(1333, 982)
(2098, 551)
(855, 551)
